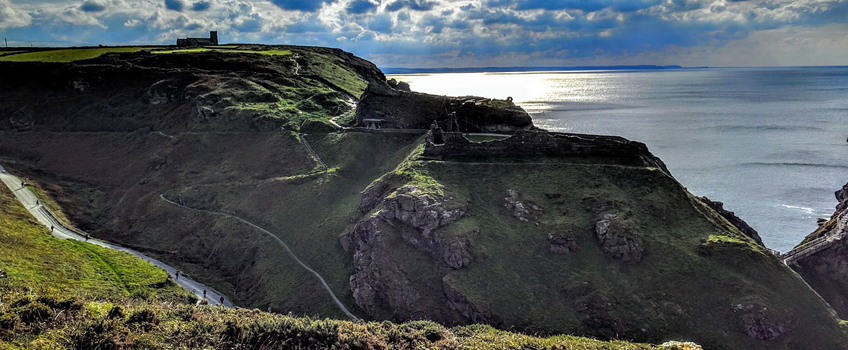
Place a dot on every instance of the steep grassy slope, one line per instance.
(519, 245)
(33, 259)
(68, 294)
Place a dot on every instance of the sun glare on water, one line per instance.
(521, 87)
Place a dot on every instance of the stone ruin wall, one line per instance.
(541, 143)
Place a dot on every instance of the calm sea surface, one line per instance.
(768, 142)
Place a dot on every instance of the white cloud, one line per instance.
(11, 17)
(74, 15)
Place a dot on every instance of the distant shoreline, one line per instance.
(526, 69)
(575, 68)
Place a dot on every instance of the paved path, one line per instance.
(44, 216)
(286, 246)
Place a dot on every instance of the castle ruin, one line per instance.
(192, 42)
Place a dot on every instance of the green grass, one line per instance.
(34, 259)
(43, 320)
(334, 69)
(696, 266)
(227, 49)
(68, 55)
(484, 138)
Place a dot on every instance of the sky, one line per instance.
(464, 33)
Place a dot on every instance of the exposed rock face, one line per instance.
(523, 211)
(822, 259)
(378, 286)
(420, 210)
(759, 323)
(733, 219)
(399, 85)
(618, 240)
(562, 243)
(842, 197)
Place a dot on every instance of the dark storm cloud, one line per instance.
(91, 6)
(301, 5)
(415, 5)
(201, 6)
(359, 7)
(176, 5)
(588, 6)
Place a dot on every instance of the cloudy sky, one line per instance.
(464, 33)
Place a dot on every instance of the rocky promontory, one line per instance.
(822, 258)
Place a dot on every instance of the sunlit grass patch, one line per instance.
(227, 49)
(67, 55)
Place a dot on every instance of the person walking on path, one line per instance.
(51, 228)
(177, 275)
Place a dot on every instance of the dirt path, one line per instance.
(312, 152)
(285, 246)
(45, 217)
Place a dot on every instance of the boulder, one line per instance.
(618, 239)
(759, 323)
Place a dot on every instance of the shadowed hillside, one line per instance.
(537, 232)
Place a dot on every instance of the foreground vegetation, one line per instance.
(36, 320)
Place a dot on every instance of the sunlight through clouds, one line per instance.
(429, 33)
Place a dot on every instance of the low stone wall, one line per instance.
(541, 143)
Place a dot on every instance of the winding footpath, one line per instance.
(286, 246)
(45, 217)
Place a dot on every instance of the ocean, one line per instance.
(768, 142)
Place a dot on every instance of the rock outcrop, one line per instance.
(400, 108)
(562, 243)
(379, 286)
(822, 259)
(523, 211)
(733, 219)
(759, 323)
(618, 239)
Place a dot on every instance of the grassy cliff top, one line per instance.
(222, 88)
